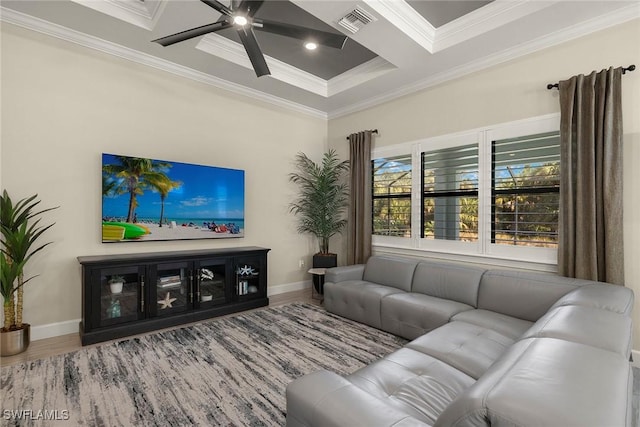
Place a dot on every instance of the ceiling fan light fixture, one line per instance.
(240, 20)
(241, 16)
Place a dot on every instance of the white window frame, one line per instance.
(394, 151)
(513, 130)
(482, 251)
(439, 143)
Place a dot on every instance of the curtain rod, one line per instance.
(624, 71)
(372, 131)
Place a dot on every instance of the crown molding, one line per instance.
(54, 30)
(485, 19)
(229, 50)
(144, 14)
(407, 20)
(358, 75)
(603, 22)
(479, 21)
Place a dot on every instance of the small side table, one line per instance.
(317, 287)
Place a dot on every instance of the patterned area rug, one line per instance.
(230, 371)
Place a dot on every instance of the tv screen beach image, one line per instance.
(146, 199)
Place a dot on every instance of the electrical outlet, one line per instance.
(301, 263)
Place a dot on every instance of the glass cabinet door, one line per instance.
(211, 282)
(171, 289)
(249, 280)
(119, 296)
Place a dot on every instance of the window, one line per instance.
(450, 193)
(392, 196)
(491, 192)
(525, 192)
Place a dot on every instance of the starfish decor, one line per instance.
(167, 301)
(246, 271)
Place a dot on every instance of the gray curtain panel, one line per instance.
(360, 222)
(591, 235)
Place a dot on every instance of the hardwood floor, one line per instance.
(68, 343)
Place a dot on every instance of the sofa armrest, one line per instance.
(324, 398)
(344, 273)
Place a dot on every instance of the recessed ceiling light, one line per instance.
(240, 20)
(310, 45)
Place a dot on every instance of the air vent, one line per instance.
(356, 19)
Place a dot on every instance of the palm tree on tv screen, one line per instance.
(163, 185)
(134, 175)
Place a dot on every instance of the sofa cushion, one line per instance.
(501, 323)
(327, 399)
(587, 325)
(600, 295)
(448, 281)
(413, 382)
(357, 300)
(410, 315)
(344, 273)
(523, 295)
(468, 348)
(547, 382)
(388, 271)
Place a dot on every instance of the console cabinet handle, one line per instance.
(142, 293)
(197, 285)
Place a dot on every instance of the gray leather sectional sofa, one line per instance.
(489, 347)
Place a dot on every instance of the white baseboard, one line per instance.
(55, 329)
(288, 287)
(72, 326)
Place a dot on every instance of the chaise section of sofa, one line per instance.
(547, 382)
(489, 347)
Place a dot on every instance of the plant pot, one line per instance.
(325, 260)
(116, 287)
(15, 342)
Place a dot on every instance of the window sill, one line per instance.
(483, 260)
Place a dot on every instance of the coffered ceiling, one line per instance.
(398, 47)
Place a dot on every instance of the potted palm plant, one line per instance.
(322, 201)
(20, 230)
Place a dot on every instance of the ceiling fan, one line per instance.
(241, 16)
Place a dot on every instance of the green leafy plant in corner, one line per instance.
(20, 229)
(323, 198)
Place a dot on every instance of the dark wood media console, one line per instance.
(128, 294)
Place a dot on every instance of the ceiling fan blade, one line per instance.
(250, 7)
(254, 52)
(218, 6)
(289, 30)
(194, 32)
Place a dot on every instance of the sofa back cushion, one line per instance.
(448, 281)
(388, 271)
(604, 296)
(523, 295)
(586, 325)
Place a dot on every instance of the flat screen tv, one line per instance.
(147, 199)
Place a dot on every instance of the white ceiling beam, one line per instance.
(482, 20)
(144, 14)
